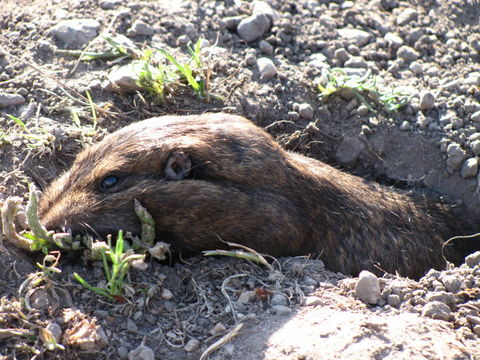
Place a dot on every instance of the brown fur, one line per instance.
(244, 188)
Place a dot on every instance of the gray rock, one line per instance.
(368, 287)
(281, 310)
(475, 117)
(124, 78)
(456, 156)
(407, 16)
(76, 32)
(407, 53)
(427, 100)
(279, 299)
(416, 68)
(356, 62)
(473, 260)
(246, 297)
(140, 28)
(141, 353)
(231, 22)
(441, 296)
(393, 40)
(262, 7)
(266, 47)
(305, 111)
(437, 310)
(394, 300)
(312, 301)
(191, 345)
(109, 4)
(122, 352)
(342, 55)
(475, 146)
(363, 110)
(452, 283)
(56, 330)
(267, 68)
(405, 126)
(358, 37)
(469, 168)
(349, 150)
(253, 27)
(7, 99)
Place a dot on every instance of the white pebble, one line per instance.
(267, 68)
(368, 287)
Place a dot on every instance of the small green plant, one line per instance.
(32, 139)
(116, 262)
(365, 88)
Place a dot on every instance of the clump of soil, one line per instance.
(266, 58)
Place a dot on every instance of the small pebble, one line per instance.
(305, 111)
(469, 168)
(475, 117)
(407, 16)
(140, 28)
(416, 68)
(166, 294)
(267, 68)
(191, 345)
(122, 352)
(437, 310)
(456, 156)
(476, 330)
(76, 32)
(349, 151)
(56, 330)
(368, 287)
(219, 328)
(312, 301)
(473, 260)
(7, 99)
(279, 299)
(358, 37)
(253, 27)
(452, 283)
(393, 40)
(281, 310)
(362, 110)
(405, 126)
(407, 53)
(246, 297)
(427, 100)
(109, 4)
(141, 353)
(394, 300)
(266, 47)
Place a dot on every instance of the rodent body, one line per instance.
(218, 177)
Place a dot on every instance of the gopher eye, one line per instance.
(108, 182)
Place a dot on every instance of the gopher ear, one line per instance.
(178, 166)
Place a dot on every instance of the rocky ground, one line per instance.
(266, 59)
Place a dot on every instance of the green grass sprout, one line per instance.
(116, 263)
(365, 88)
